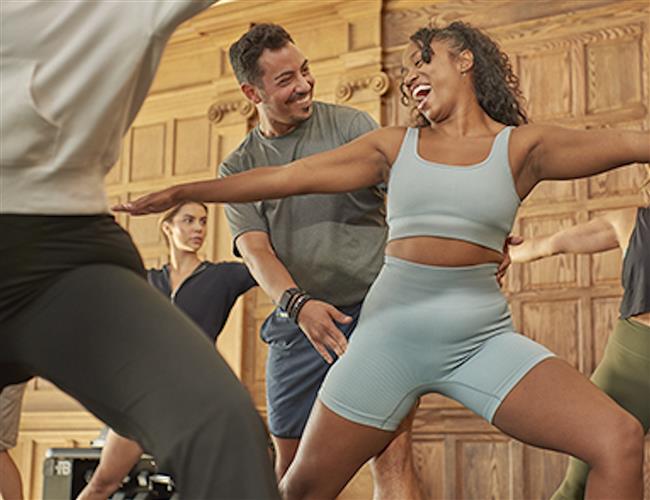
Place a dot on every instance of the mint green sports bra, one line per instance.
(475, 203)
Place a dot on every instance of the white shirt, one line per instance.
(73, 75)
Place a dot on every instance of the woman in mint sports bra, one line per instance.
(435, 319)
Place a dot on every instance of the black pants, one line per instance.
(75, 309)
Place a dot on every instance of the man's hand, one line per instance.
(316, 319)
(150, 203)
(505, 263)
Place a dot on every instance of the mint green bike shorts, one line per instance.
(428, 329)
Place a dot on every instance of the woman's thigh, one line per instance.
(556, 407)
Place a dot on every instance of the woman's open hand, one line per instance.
(150, 203)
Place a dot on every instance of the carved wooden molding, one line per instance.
(546, 20)
(516, 42)
(378, 83)
(218, 110)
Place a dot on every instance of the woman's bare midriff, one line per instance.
(435, 251)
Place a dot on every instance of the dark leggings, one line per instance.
(104, 336)
(624, 374)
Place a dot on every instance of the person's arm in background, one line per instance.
(597, 235)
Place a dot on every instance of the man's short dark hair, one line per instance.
(246, 51)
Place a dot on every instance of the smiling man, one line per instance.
(314, 255)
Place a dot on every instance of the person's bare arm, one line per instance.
(316, 318)
(118, 457)
(560, 153)
(358, 164)
(260, 258)
(597, 235)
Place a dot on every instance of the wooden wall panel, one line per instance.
(115, 174)
(623, 181)
(188, 64)
(144, 229)
(148, 152)
(549, 92)
(546, 192)
(555, 324)
(604, 313)
(543, 472)
(258, 307)
(621, 55)
(431, 465)
(555, 272)
(192, 146)
(489, 461)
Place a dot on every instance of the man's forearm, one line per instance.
(269, 272)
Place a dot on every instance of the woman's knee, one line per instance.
(299, 486)
(620, 441)
(630, 436)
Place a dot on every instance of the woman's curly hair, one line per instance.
(495, 84)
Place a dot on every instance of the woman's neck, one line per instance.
(467, 121)
(182, 261)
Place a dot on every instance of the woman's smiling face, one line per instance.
(433, 85)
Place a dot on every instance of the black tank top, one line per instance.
(636, 268)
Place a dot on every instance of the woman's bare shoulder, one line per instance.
(393, 132)
(389, 141)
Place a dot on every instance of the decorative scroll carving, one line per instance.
(218, 110)
(377, 83)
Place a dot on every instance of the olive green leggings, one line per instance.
(624, 374)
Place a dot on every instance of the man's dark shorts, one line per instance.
(294, 372)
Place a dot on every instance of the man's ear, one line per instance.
(251, 92)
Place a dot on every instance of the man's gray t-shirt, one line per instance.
(332, 244)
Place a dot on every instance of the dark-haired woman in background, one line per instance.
(203, 290)
(435, 319)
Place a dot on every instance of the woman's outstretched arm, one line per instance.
(561, 153)
(361, 163)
